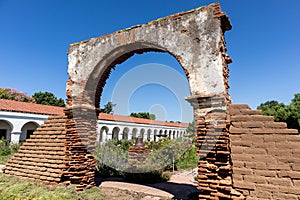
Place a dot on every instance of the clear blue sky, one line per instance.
(264, 45)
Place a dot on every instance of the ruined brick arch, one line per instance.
(195, 38)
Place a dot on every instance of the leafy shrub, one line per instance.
(164, 154)
(7, 149)
(188, 159)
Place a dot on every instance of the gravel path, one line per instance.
(180, 186)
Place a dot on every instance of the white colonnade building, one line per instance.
(18, 120)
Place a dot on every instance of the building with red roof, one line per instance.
(18, 120)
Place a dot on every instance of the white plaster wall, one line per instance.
(18, 120)
(17, 125)
(131, 126)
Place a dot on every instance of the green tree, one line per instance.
(108, 108)
(191, 127)
(48, 98)
(12, 94)
(144, 115)
(293, 108)
(273, 108)
(284, 113)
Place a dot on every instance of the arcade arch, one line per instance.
(28, 130)
(5, 129)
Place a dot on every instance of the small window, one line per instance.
(2, 133)
(29, 133)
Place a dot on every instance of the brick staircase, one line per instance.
(42, 156)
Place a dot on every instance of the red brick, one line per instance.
(275, 138)
(293, 138)
(264, 158)
(280, 181)
(234, 112)
(237, 163)
(287, 145)
(288, 159)
(267, 187)
(262, 131)
(296, 183)
(276, 166)
(279, 195)
(252, 124)
(250, 112)
(239, 106)
(287, 131)
(266, 173)
(261, 118)
(244, 143)
(237, 150)
(244, 184)
(263, 144)
(241, 157)
(260, 194)
(290, 174)
(237, 124)
(255, 179)
(234, 130)
(235, 137)
(242, 171)
(275, 124)
(252, 137)
(237, 177)
(296, 166)
(240, 118)
(278, 152)
(250, 150)
(291, 190)
(256, 165)
(296, 151)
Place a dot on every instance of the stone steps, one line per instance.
(42, 156)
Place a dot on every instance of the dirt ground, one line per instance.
(117, 194)
(181, 186)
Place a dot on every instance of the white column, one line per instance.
(15, 137)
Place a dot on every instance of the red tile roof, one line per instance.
(121, 118)
(25, 107)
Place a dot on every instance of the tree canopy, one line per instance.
(12, 94)
(48, 98)
(144, 115)
(108, 108)
(284, 113)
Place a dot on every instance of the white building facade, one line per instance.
(18, 120)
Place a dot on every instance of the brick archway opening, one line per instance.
(195, 38)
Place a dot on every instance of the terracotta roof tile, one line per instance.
(121, 118)
(25, 107)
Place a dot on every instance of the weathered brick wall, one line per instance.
(265, 155)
